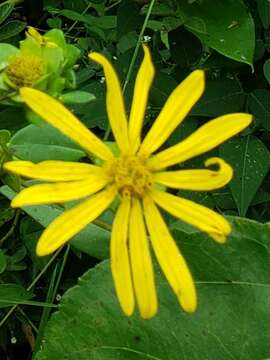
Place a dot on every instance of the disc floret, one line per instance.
(130, 175)
(25, 70)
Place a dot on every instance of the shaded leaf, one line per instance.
(10, 293)
(250, 160)
(11, 28)
(220, 97)
(259, 106)
(223, 25)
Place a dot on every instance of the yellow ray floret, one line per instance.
(115, 103)
(120, 262)
(198, 180)
(143, 83)
(58, 233)
(176, 271)
(51, 170)
(135, 177)
(206, 138)
(61, 118)
(142, 269)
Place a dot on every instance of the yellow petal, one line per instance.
(141, 90)
(197, 215)
(54, 113)
(207, 137)
(120, 263)
(200, 180)
(115, 102)
(32, 32)
(72, 221)
(174, 111)
(53, 170)
(169, 257)
(59, 192)
(142, 269)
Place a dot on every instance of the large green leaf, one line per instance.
(224, 25)
(230, 323)
(250, 160)
(44, 143)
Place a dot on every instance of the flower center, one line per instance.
(130, 175)
(25, 70)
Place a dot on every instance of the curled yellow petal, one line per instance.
(115, 102)
(59, 192)
(197, 215)
(120, 264)
(51, 170)
(174, 111)
(72, 221)
(141, 264)
(169, 257)
(57, 115)
(207, 137)
(198, 180)
(141, 90)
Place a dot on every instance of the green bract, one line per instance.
(43, 62)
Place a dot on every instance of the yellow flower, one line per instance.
(25, 70)
(138, 177)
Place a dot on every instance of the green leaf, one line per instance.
(13, 293)
(223, 25)
(7, 50)
(259, 106)
(162, 87)
(266, 68)
(4, 137)
(234, 299)
(94, 112)
(264, 12)
(44, 143)
(128, 18)
(250, 160)
(221, 97)
(182, 53)
(93, 240)
(12, 28)
(3, 262)
(77, 97)
(5, 9)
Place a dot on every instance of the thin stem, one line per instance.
(29, 302)
(45, 313)
(27, 319)
(31, 285)
(12, 228)
(60, 272)
(76, 21)
(135, 54)
(109, 7)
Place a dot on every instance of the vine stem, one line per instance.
(133, 59)
(135, 54)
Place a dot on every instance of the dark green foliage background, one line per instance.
(230, 40)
